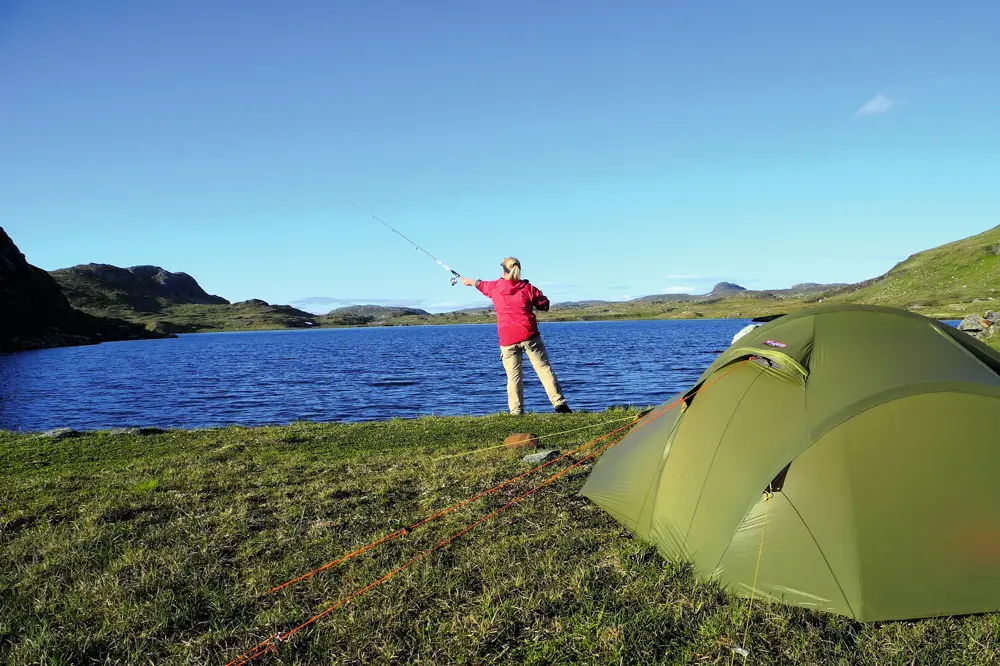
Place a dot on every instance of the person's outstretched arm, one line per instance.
(482, 285)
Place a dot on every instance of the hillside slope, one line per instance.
(947, 280)
(105, 289)
(169, 302)
(34, 312)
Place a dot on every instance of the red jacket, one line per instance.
(515, 302)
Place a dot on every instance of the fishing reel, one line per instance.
(454, 281)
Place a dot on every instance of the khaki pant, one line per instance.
(511, 357)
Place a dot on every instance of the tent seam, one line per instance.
(658, 477)
(896, 394)
(822, 554)
(701, 493)
(857, 546)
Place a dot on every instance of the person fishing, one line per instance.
(515, 301)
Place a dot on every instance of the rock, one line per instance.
(992, 317)
(541, 456)
(743, 331)
(988, 334)
(520, 439)
(139, 288)
(973, 324)
(60, 433)
(643, 413)
(135, 431)
(34, 312)
(169, 328)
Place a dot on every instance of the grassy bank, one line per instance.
(129, 549)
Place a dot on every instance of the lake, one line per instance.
(349, 374)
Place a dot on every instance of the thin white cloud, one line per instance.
(678, 289)
(877, 105)
(685, 277)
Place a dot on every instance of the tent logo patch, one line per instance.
(775, 343)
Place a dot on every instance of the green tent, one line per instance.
(852, 466)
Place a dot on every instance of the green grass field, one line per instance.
(128, 549)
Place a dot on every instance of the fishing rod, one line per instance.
(456, 276)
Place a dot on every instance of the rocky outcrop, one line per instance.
(985, 328)
(170, 328)
(34, 313)
(541, 457)
(103, 288)
(973, 324)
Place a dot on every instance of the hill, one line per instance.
(945, 282)
(360, 315)
(103, 289)
(34, 312)
(250, 315)
(948, 280)
(169, 302)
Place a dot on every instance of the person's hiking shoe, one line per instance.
(563, 409)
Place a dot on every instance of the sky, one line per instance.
(618, 149)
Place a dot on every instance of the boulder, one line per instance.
(992, 317)
(973, 324)
(520, 439)
(60, 433)
(541, 457)
(169, 328)
(135, 431)
(987, 335)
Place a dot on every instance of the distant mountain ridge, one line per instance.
(942, 281)
(376, 310)
(355, 315)
(720, 290)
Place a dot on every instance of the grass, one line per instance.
(947, 281)
(129, 549)
(238, 317)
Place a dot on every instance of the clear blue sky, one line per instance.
(618, 149)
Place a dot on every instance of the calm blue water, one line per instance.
(214, 379)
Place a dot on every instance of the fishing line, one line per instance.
(456, 276)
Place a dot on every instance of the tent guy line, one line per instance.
(272, 643)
